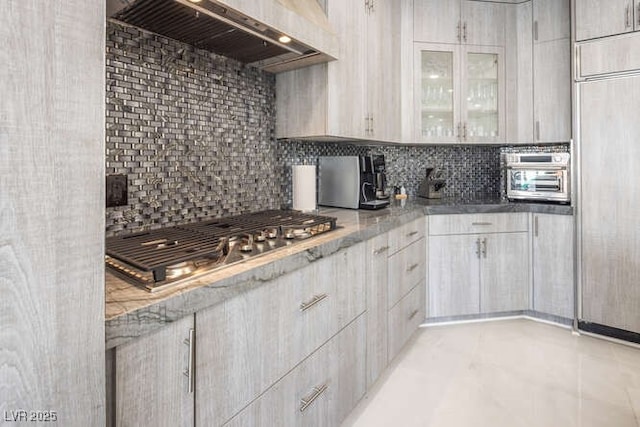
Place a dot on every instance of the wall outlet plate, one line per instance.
(117, 190)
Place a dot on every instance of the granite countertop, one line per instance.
(132, 312)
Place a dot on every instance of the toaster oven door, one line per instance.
(537, 184)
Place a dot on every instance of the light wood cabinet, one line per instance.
(601, 18)
(553, 264)
(551, 71)
(406, 268)
(610, 202)
(405, 318)
(345, 98)
(459, 93)
(472, 273)
(321, 391)
(286, 319)
(377, 291)
(466, 22)
(504, 272)
(150, 385)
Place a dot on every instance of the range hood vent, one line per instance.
(219, 29)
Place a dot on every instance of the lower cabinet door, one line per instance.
(320, 391)
(406, 268)
(150, 386)
(405, 317)
(504, 272)
(454, 278)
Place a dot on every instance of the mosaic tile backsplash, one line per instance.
(194, 133)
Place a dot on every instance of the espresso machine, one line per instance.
(355, 182)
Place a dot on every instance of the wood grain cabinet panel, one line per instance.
(610, 202)
(601, 18)
(377, 296)
(406, 268)
(249, 342)
(321, 391)
(405, 317)
(151, 387)
(553, 256)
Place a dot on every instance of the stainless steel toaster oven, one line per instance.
(539, 176)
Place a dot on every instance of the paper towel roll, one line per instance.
(304, 188)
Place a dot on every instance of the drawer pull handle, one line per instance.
(191, 341)
(317, 392)
(481, 223)
(412, 267)
(484, 247)
(412, 315)
(315, 300)
(381, 250)
(413, 233)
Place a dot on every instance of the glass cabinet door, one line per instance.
(482, 97)
(436, 94)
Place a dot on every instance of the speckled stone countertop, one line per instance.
(132, 312)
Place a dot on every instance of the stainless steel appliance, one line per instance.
(156, 258)
(353, 182)
(539, 176)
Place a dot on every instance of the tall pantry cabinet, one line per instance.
(608, 94)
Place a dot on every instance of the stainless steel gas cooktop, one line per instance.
(157, 258)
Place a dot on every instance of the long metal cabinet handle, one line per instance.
(464, 131)
(381, 250)
(189, 373)
(480, 223)
(459, 31)
(459, 130)
(412, 267)
(315, 300)
(413, 314)
(626, 17)
(464, 32)
(317, 392)
(638, 12)
(413, 233)
(535, 225)
(484, 247)
(535, 30)
(478, 247)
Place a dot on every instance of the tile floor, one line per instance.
(515, 373)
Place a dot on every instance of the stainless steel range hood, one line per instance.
(248, 31)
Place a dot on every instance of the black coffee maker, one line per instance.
(373, 183)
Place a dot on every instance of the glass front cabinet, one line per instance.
(459, 93)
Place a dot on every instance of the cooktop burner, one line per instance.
(156, 258)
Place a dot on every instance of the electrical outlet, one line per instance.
(117, 190)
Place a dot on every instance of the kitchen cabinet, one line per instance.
(377, 291)
(248, 343)
(610, 202)
(405, 318)
(551, 70)
(478, 263)
(321, 391)
(460, 93)
(151, 387)
(52, 299)
(345, 99)
(601, 18)
(552, 245)
(455, 22)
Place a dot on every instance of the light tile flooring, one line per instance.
(514, 373)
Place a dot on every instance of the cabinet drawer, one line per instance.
(249, 342)
(405, 318)
(405, 235)
(321, 391)
(478, 223)
(406, 268)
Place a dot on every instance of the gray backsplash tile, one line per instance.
(195, 134)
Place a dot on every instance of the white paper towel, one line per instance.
(304, 188)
